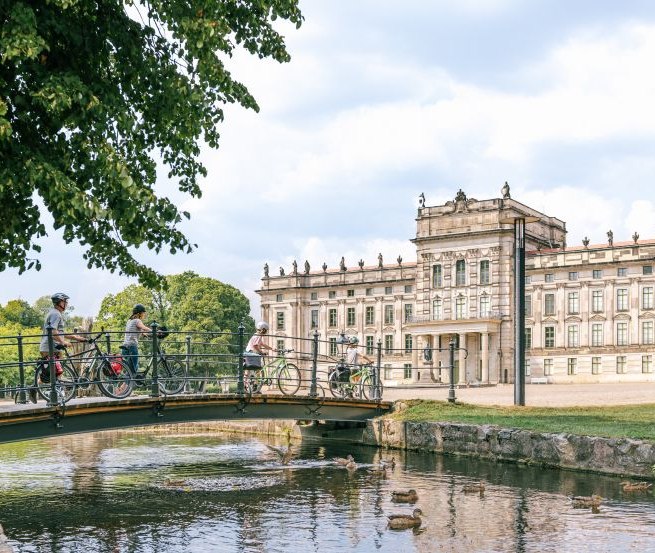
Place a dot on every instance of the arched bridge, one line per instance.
(27, 422)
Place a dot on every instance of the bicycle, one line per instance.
(345, 381)
(109, 372)
(171, 372)
(279, 371)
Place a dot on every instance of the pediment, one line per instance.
(573, 319)
(622, 317)
(388, 329)
(550, 320)
(647, 315)
(598, 318)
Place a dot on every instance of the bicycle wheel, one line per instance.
(66, 383)
(288, 379)
(337, 387)
(254, 383)
(172, 376)
(114, 379)
(369, 389)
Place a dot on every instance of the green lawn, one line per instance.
(631, 421)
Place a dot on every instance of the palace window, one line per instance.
(313, 296)
(572, 339)
(573, 275)
(646, 363)
(332, 317)
(279, 297)
(437, 309)
(549, 304)
(314, 318)
(485, 306)
(647, 297)
(407, 371)
(350, 316)
(279, 344)
(647, 332)
(573, 303)
(528, 305)
(622, 299)
(595, 365)
(388, 343)
(388, 315)
(597, 273)
(485, 277)
(571, 365)
(388, 372)
(408, 288)
(370, 314)
(332, 294)
(647, 269)
(549, 337)
(460, 307)
(621, 334)
(549, 277)
(280, 320)
(437, 276)
(409, 312)
(528, 338)
(548, 367)
(332, 346)
(388, 290)
(620, 364)
(369, 344)
(597, 301)
(622, 272)
(408, 343)
(460, 272)
(597, 334)
(350, 293)
(369, 291)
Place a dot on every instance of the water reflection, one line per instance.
(125, 492)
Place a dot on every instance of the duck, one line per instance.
(410, 496)
(284, 454)
(474, 488)
(351, 465)
(388, 464)
(636, 486)
(380, 471)
(583, 502)
(344, 460)
(402, 522)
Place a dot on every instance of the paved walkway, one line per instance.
(538, 395)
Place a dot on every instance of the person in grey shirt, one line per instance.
(54, 318)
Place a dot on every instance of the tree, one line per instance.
(20, 312)
(93, 93)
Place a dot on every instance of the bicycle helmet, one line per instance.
(138, 308)
(261, 325)
(353, 340)
(57, 297)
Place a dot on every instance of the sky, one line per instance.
(386, 99)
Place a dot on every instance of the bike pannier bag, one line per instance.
(252, 360)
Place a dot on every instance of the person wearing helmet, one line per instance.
(134, 329)
(256, 344)
(353, 357)
(55, 319)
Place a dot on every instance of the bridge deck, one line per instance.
(26, 422)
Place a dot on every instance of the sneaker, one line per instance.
(33, 395)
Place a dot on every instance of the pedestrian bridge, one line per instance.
(29, 421)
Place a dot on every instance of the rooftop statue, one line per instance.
(295, 267)
(361, 264)
(380, 260)
(281, 271)
(266, 270)
(505, 191)
(324, 267)
(342, 264)
(460, 197)
(421, 201)
(306, 267)
(610, 237)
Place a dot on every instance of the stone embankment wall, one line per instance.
(4, 546)
(588, 453)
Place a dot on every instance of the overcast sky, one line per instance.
(385, 99)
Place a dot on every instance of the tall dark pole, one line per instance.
(519, 311)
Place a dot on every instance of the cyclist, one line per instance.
(133, 331)
(256, 348)
(353, 358)
(55, 319)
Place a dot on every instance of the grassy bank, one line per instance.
(631, 421)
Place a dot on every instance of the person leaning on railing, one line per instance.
(134, 328)
(353, 357)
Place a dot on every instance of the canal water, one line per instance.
(125, 492)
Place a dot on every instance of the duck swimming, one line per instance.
(410, 496)
(584, 502)
(402, 522)
(636, 486)
(344, 460)
(284, 454)
(474, 488)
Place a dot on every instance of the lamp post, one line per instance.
(519, 222)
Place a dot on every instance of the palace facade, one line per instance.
(590, 310)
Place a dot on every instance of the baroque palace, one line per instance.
(589, 310)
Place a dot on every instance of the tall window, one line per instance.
(314, 320)
(621, 334)
(597, 273)
(279, 297)
(549, 277)
(485, 278)
(332, 346)
(620, 364)
(407, 371)
(280, 320)
(622, 299)
(388, 315)
(595, 365)
(332, 317)
(647, 332)
(573, 303)
(572, 336)
(548, 367)
(646, 363)
(549, 304)
(388, 343)
(528, 338)
(597, 301)
(437, 314)
(460, 272)
(409, 312)
(437, 276)
(647, 297)
(350, 316)
(597, 334)
(408, 343)
(485, 306)
(369, 344)
(279, 344)
(460, 307)
(549, 337)
(572, 365)
(388, 372)
(528, 305)
(370, 314)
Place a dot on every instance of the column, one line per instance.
(462, 358)
(485, 357)
(417, 345)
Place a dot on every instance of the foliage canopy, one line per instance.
(92, 93)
